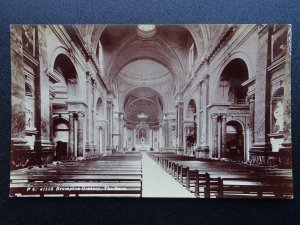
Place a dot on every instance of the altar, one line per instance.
(143, 137)
(143, 147)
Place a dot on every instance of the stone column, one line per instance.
(262, 98)
(18, 115)
(89, 115)
(180, 128)
(121, 131)
(223, 137)
(71, 135)
(77, 126)
(166, 133)
(93, 114)
(109, 127)
(160, 137)
(125, 138)
(286, 150)
(134, 137)
(215, 137)
(42, 101)
(51, 97)
(199, 116)
(97, 139)
(151, 138)
(205, 97)
(251, 125)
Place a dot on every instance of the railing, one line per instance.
(240, 102)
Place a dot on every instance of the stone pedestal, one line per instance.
(202, 152)
(276, 141)
(180, 150)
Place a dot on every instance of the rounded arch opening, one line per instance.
(191, 126)
(60, 137)
(235, 141)
(143, 104)
(100, 108)
(230, 88)
(64, 67)
(277, 111)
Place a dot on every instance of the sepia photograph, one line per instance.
(151, 111)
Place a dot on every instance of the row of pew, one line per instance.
(218, 179)
(118, 175)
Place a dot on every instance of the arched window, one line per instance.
(99, 54)
(100, 109)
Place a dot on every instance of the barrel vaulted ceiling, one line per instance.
(154, 64)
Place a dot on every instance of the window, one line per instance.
(146, 30)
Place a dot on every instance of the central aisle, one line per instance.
(158, 183)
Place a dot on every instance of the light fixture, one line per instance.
(142, 115)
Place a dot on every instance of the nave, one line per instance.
(152, 174)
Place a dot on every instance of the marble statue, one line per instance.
(279, 115)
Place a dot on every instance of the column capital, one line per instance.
(180, 105)
(88, 76)
(206, 79)
(51, 95)
(251, 98)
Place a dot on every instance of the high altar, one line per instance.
(143, 137)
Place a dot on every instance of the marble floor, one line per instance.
(158, 183)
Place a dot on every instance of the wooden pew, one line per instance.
(205, 178)
(117, 175)
(254, 188)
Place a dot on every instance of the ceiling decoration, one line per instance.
(146, 30)
(144, 69)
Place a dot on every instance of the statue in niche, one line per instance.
(28, 38)
(29, 118)
(279, 116)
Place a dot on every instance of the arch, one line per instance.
(61, 50)
(191, 109)
(228, 86)
(28, 90)
(160, 98)
(235, 142)
(136, 50)
(60, 137)
(64, 66)
(198, 33)
(100, 108)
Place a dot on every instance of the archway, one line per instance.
(230, 87)
(143, 110)
(234, 141)
(191, 127)
(60, 138)
(66, 71)
(100, 129)
(65, 88)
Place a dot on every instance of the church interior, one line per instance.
(151, 110)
